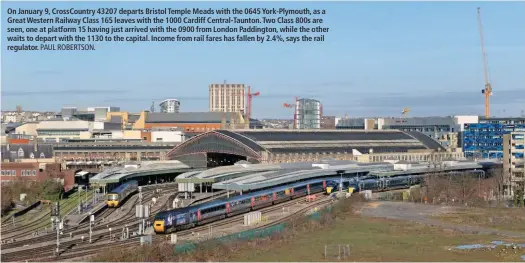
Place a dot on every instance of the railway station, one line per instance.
(243, 177)
(147, 172)
(226, 147)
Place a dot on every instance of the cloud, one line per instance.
(60, 92)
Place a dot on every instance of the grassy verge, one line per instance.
(369, 239)
(512, 219)
(377, 240)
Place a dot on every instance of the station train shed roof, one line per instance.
(301, 171)
(256, 145)
(145, 168)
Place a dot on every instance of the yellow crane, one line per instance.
(488, 88)
(405, 112)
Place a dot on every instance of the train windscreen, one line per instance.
(112, 196)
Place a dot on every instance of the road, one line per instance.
(421, 213)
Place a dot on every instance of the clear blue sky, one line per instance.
(378, 58)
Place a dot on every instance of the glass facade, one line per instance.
(485, 140)
(308, 114)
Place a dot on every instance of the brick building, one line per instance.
(37, 172)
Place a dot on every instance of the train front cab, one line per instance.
(158, 226)
(112, 200)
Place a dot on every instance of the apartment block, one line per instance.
(514, 161)
(227, 97)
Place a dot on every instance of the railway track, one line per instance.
(47, 250)
(22, 228)
(83, 228)
(93, 249)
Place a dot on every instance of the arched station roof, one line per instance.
(253, 143)
(219, 141)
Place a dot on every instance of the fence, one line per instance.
(242, 236)
(316, 214)
(338, 252)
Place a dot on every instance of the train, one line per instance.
(375, 184)
(116, 197)
(183, 218)
(187, 217)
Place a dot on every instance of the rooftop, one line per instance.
(127, 171)
(263, 179)
(190, 117)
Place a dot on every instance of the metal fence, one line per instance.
(315, 214)
(242, 236)
(337, 252)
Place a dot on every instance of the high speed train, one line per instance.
(375, 184)
(188, 217)
(116, 197)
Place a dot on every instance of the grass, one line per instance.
(511, 219)
(369, 239)
(379, 240)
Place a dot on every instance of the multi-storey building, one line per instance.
(327, 122)
(308, 114)
(227, 97)
(514, 161)
(170, 106)
(485, 139)
(445, 130)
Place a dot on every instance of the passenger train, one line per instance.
(188, 217)
(375, 184)
(116, 197)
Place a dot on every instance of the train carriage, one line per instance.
(116, 197)
(183, 218)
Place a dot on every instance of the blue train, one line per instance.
(116, 197)
(375, 184)
(188, 217)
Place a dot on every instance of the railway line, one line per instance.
(48, 249)
(75, 247)
(184, 234)
(35, 224)
(83, 228)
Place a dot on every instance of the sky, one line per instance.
(378, 58)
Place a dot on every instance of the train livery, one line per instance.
(119, 194)
(188, 217)
(376, 184)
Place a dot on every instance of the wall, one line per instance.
(123, 114)
(145, 136)
(190, 127)
(63, 125)
(13, 171)
(117, 134)
(98, 125)
(167, 136)
(461, 120)
(132, 134)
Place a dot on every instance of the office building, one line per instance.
(170, 106)
(485, 139)
(514, 161)
(308, 114)
(227, 97)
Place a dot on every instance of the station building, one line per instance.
(226, 147)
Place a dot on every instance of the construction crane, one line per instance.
(488, 88)
(294, 106)
(405, 112)
(250, 96)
